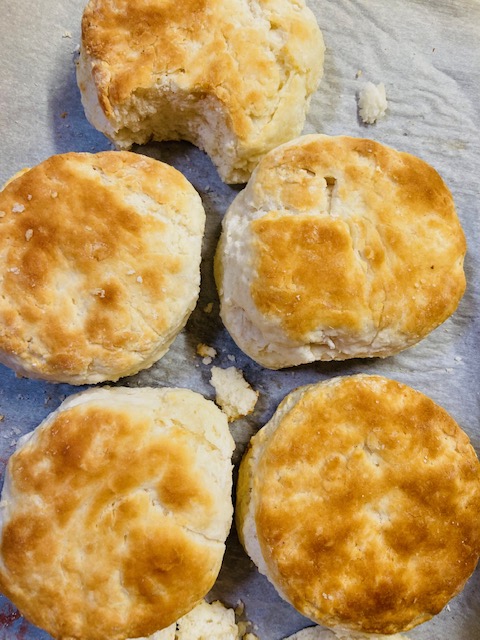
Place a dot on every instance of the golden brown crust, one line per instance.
(390, 240)
(115, 514)
(338, 248)
(138, 41)
(258, 61)
(366, 499)
(100, 265)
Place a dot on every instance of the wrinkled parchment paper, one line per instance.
(428, 56)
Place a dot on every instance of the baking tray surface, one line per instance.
(428, 56)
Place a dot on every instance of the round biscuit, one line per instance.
(99, 265)
(115, 512)
(360, 501)
(338, 248)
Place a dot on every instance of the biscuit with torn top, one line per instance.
(234, 77)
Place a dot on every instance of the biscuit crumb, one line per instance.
(213, 621)
(1, 417)
(130, 272)
(240, 608)
(231, 357)
(234, 395)
(28, 234)
(54, 194)
(18, 208)
(29, 196)
(99, 292)
(14, 270)
(139, 279)
(208, 308)
(67, 34)
(372, 102)
(206, 352)
(359, 73)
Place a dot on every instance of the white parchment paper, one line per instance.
(427, 53)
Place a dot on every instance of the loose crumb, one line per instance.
(54, 194)
(372, 102)
(67, 34)
(28, 234)
(1, 417)
(359, 73)
(99, 292)
(231, 357)
(205, 351)
(208, 308)
(139, 279)
(234, 395)
(18, 208)
(29, 196)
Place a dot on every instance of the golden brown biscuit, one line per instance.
(99, 265)
(338, 248)
(360, 501)
(115, 511)
(232, 76)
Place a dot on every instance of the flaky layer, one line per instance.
(232, 76)
(115, 512)
(338, 248)
(99, 265)
(360, 501)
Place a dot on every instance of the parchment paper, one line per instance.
(428, 56)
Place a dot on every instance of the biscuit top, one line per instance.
(242, 53)
(346, 248)
(115, 512)
(367, 505)
(374, 230)
(99, 264)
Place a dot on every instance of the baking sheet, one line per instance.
(428, 56)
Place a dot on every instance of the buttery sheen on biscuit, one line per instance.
(99, 265)
(233, 77)
(115, 511)
(360, 501)
(338, 248)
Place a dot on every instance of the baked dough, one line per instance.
(338, 248)
(115, 511)
(232, 76)
(360, 501)
(99, 265)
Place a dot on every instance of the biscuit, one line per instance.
(338, 248)
(115, 511)
(99, 265)
(233, 77)
(360, 501)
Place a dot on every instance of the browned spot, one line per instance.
(306, 273)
